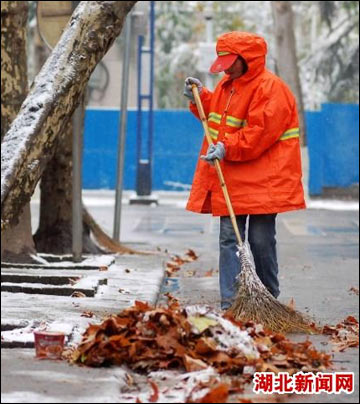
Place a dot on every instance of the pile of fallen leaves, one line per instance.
(192, 338)
(344, 335)
(176, 262)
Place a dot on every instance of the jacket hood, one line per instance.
(251, 47)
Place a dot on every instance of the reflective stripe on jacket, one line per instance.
(255, 117)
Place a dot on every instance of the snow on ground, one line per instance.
(94, 198)
(332, 204)
(179, 386)
(135, 280)
(100, 261)
(26, 334)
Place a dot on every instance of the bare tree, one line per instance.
(29, 144)
(286, 59)
(16, 242)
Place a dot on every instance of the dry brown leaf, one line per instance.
(209, 273)
(88, 314)
(329, 330)
(193, 365)
(191, 253)
(351, 320)
(354, 290)
(171, 267)
(205, 346)
(177, 260)
(268, 367)
(155, 394)
(103, 268)
(342, 346)
(344, 335)
(78, 294)
(129, 379)
(74, 280)
(142, 306)
(291, 304)
(218, 394)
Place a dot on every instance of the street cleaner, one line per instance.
(253, 121)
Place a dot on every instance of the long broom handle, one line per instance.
(217, 163)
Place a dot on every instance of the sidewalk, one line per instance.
(318, 258)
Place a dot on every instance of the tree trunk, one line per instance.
(17, 244)
(286, 60)
(14, 85)
(53, 98)
(54, 234)
(56, 198)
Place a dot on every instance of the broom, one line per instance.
(253, 301)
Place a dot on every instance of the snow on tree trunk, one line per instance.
(286, 59)
(16, 242)
(30, 141)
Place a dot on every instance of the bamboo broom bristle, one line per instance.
(254, 302)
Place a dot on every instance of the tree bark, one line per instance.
(56, 199)
(54, 234)
(53, 98)
(14, 85)
(17, 244)
(286, 59)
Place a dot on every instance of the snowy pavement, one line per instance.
(116, 286)
(29, 380)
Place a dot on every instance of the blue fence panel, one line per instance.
(313, 131)
(176, 145)
(332, 133)
(333, 145)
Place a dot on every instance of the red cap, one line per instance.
(223, 62)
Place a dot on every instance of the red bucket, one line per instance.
(49, 344)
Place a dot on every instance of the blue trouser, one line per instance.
(261, 237)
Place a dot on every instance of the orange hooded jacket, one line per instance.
(255, 117)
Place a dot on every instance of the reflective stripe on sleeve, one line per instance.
(213, 133)
(214, 117)
(235, 122)
(290, 134)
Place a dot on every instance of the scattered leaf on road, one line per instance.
(88, 314)
(354, 290)
(344, 335)
(155, 394)
(78, 294)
